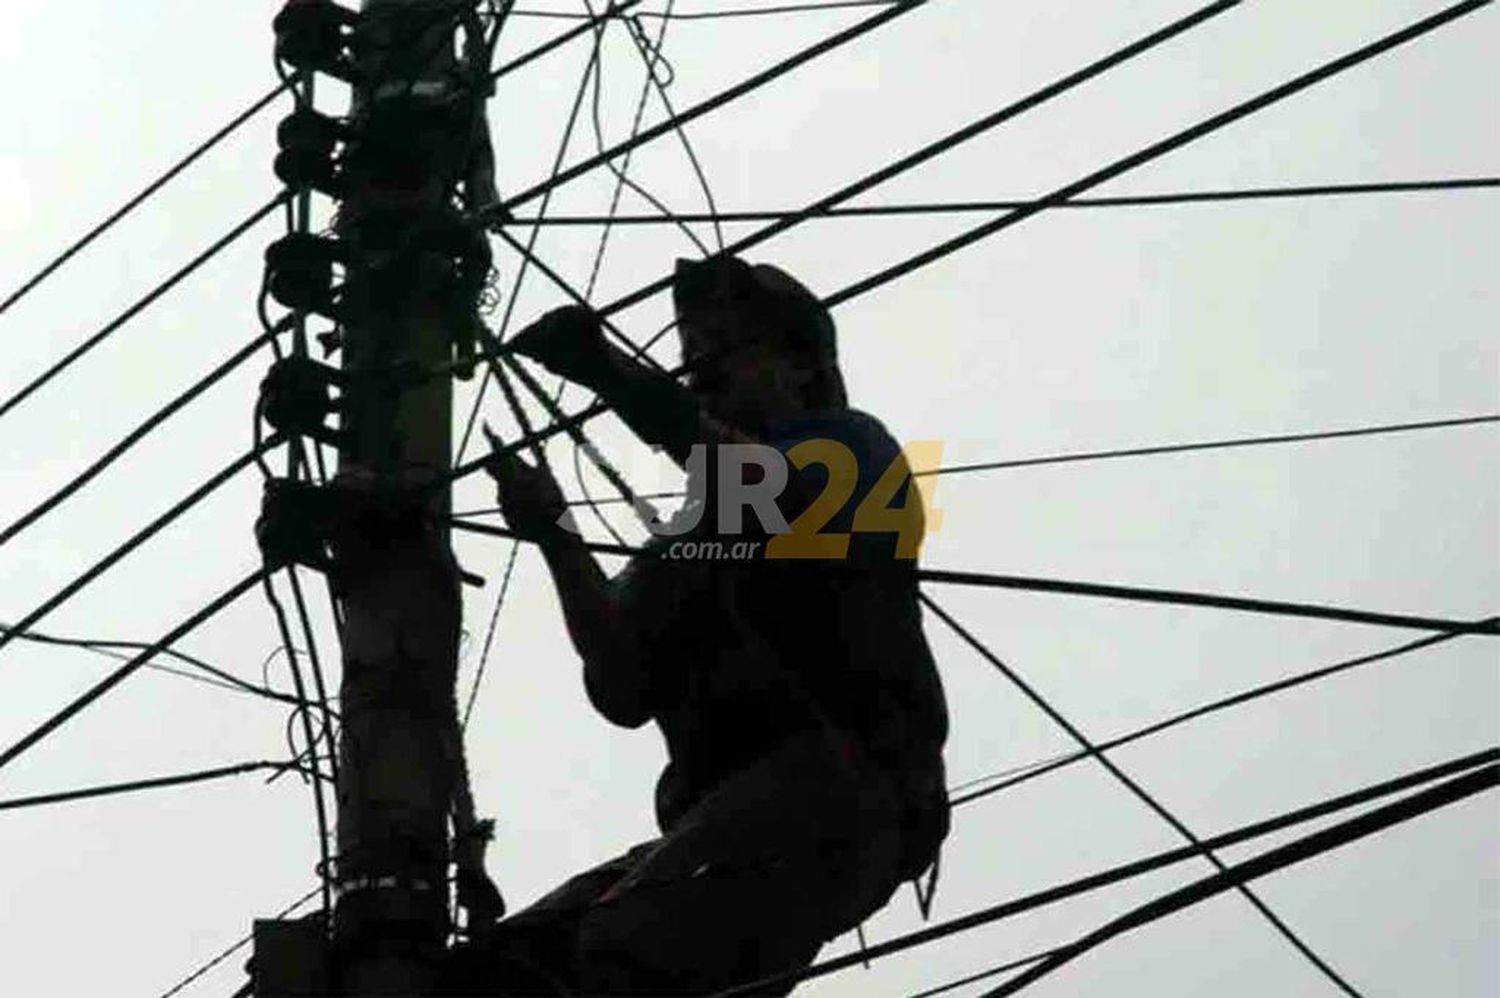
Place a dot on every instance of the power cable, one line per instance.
(651, 53)
(1145, 797)
(315, 667)
(237, 946)
(1100, 455)
(614, 10)
(140, 305)
(1175, 597)
(215, 676)
(985, 975)
(134, 786)
(1224, 703)
(1159, 149)
(952, 140)
(893, 11)
(135, 436)
(1118, 874)
(234, 467)
(1456, 789)
(320, 807)
(528, 257)
(963, 207)
(713, 15)
(622, 172)
(106, 684)
(1281, 438)
(147, 192)
(1178, 597)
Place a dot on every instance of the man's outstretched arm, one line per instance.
(615, 672)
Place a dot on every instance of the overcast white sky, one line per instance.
(1077, 330)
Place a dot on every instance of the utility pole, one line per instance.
(412, 269)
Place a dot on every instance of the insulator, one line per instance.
(305, 128)
(299, 270)
(294, 523)
(296, 396)
(306, 160)
(310, 36)
(302, 169)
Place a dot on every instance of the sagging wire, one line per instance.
(652, 54)
(1144, 796)
(510, 302)
(621, 172)
(215, 676)
(495, 371)
(319, 804)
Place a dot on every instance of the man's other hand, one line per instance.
(528, 496)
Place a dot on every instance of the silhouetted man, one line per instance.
(802, 713)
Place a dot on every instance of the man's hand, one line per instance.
(529, 498)
(569, 342)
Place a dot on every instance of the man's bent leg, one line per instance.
(777, 860)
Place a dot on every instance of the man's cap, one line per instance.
(767, 292)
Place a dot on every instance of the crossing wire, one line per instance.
(1235, 877)
(1057, 197)
(965, 207)
(115, 649)
(213, 377)
(135, 786)
(1467, 5)
(1462, 765)
(714, 15)
(1224, 703)
(109, 328)
(135, 202)
(953, 139)
(1159, 149)
(240, 944)
(1172, 597)
(212, 484)
(1140, 792)
(510, 304)
(1179, 597)
(109, 682)
(1101, 455)
(745, 86)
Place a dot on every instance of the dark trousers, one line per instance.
(779, 858)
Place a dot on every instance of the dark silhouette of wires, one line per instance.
(1212, 707)
(145, 194)
(1182, 448)
(135, 786)
(237, 946)
(719, 15)
(130, 439)
(1260, 441)
(1142, 794)
(953, 139)
(964, 207)
(1464, 766)
(1171, 597)
(140, 305)
(194, 497)
(894, 10)
(1179, 597)
(1161, 148)
(208, 674)
(109, 682)
(1456, 789)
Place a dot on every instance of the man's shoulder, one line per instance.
(861, 432)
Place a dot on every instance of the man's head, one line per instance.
(760, 346)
